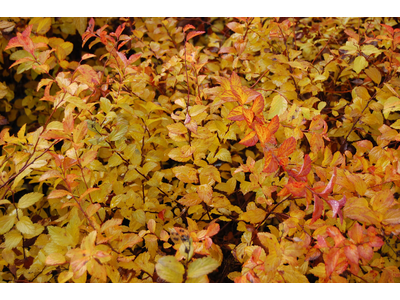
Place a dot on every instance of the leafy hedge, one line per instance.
(199, 149)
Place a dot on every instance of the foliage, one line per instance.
(199, 149)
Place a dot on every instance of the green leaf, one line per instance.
(170, 269)
(29, 199)
(201, 267)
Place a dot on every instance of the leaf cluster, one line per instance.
(199, 150)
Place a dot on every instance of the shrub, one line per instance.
(199, 149)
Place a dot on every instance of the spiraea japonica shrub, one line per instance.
(199, 150)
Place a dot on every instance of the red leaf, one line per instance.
(250, 139)
(192, 34)
(318, 208)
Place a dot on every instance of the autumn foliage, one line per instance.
(199, 150)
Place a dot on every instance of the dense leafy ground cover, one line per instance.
(199, 150)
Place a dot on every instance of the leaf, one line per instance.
(278, 106)
(254, 216)
(187, 27)
(13, 238)
(250, 139)
(185, 174)
(29, 199)
(192, 34)
(318, 208)
(329, 188)
(170, 269)
(205, 193)
(224, 155)
(331, 260)
(6, 223)
(337, 236)
(25, 225)
(201, 267)
(55, 259)
(236, 114)
(336, 206)
(54, 194)
(374, 74)
(190, 199)
(287, 148)
(271, 165)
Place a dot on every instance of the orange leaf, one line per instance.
(287, 147)
(54, 194)
(258, 105)
(250, 139)
(271, 165)
(187, 27)
(356, 233)
(190, 199)
(337, 236)
(192, 34)
(236, 114)
(318, 208)
(331, 260)
(248, 116)
(329, 188)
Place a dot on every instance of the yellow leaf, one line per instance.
(292, 275)
(6, 223)
(190, 199)
(44, 26)
(186, 174)
(170, 269)
(80, 24)
(60, 236)
(224, 155)
(29, 199)
(25, 225)
(391, 104)
(278, 106)
(374, 74)
(65, 276)
(319, 271)
(205, 192)
(13, 238)
(55, 259)
(254, 216)
(360, 63)
(201, 267)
